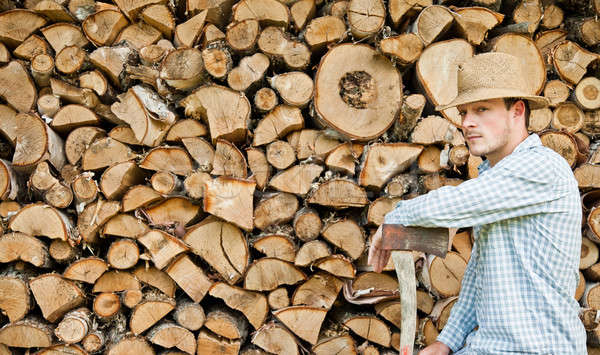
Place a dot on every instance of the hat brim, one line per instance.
(535, 102)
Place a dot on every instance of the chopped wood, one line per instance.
(62, 251)
(295, 88)
(16, 25)
(337, 265)
(42, 67)
(365, 17)
(252, 304)
(250, 71)
(16, 297)
(297, 179)
(278, 298)
(116, 281)
(473, 23)
(188, 33)
(9, 187)
(276, 246)
(564, 144)
(443, 276)
(139, 196)
(21, 246)
(223, 192)
(194, 184)
(282, 120)
(36, 141)
(201, 151)
(265, 99)
(105, 152)
(162, 247)
(325, 30)
(405, 48)
(39, 219)
(587, 93)
(61, 35)
(130, 344)
(347, 236)
(124, 225)
(228, 160)
(344, 157)
(379, 208)
(571, 61)
(189, 315)
(185, 128)
(568, 117)
(400, 9)
(217, 61)
(321, 290)
(218, 12)
(259, 166)
(267, 274)
(8, 125)
(173, 159)
(383, 161)
(86, 270)
(310, 252)
(131, 298)
(55, 295)
(169, 335)
(242, 36)
(435, 129)
(276, 209)
(276, 43)
(307, 224)
(26, 333)
(301, 12)
(160, 17)
(370, 328)
(94, 216)
(274, 338)
(189, 277)
(304, 321)
(93, 342)
(123, 254)
(149, 311)
(268, 12)
(224, 323)
(211, 344)
(106, 305)
(103, 27)
(338, 193)
(336, 345)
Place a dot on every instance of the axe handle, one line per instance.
(405, 269)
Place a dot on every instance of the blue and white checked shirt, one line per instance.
(520, 282)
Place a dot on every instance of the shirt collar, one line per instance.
(533, 140)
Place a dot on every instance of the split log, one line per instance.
(259, 166)
(295, 88)
(93, 218)
(116, 281)
(253, 305)
(539, 120)
(201, 151)
(156, 278)
(274, 42)
(169, 335)
(383, 161)
(278, 298)
(347, 236)
(297, 179)
(162, 247)
(589, 254)
(321, 290)
(139, 196)
(228, 160)
(217, 61)
(36, 142)
(336, 345)
(55, 295)
(21, 246)
(41, 220)
(74, 326)
(432, 22)
(276, 339)
(307, 329)
(442, 276)
(128, 345)
(565, 145)
(26, 333)
(266, 274)
(189, 277)
(173, 159)
(124, 225)
(337, 265)
(338, 193)
(270, 12)
(131, 298)
(103, 27)
(211, 344)
(224, 323)
(86, 270)
(18, 24)
(250, 71)
(185, 128)
(149, 311)
(311, 251)
(276, 209)
(473, 23)
(370, 328)
(344, 157)
(357, 91)
(303, 141)
(105, 152)
(242, 36)
(42, 67)
(194, 184)
(282, 120)
(223, 192)
(571, 61)
(405, 48)
(122, 254)
(16, 299)
(276, 246)
(326, 30)
(183, 77)
(231, 259)
(74, 94)
(187, 33)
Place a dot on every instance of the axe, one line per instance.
(402, 241)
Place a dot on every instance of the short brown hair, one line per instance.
(509, 101)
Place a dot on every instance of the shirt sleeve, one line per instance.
(462, 318)
(500, 193)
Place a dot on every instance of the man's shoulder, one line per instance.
(540, 163)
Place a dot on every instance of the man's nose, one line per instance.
(467, 120)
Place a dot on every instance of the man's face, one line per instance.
(486, 127)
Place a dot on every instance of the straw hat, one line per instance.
(492, 76)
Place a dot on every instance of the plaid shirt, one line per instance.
(520, 282)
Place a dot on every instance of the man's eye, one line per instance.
(462, 113)
(481, 109)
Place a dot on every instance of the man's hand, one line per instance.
(378, 257)
(437, 348)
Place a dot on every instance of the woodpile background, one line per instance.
(203, 176)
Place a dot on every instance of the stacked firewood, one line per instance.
(204, 176)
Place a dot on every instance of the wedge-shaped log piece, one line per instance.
(276, 246)
(571, 61)
(405, 48)
(156, 278)
(268, 13)
(275, 209)
(73, 94)
(347, 236)
(189, 277)
(16, 25)
(124, 225)
(366, 17)
(140, 108)
(530, 57)
(278, 298)
(105, 152)
(337, 345)
(53, 11)
(55, 295)
(473, 23)
(20, 246)
(16, 299)
(297, 179)
(343, 158)
(432, 23)
(252, 304)
(179, 210)
(259, 166)
(278, 45)
(139, 35)
(266, 274)
(302, 12)
(139, 196)
(102, 27)
(148, 312)
(222, 193)
(433, 130)
(78, 140)
(118, 178)
(186, 128)
(130, 345)
(17, 87)
(379, 208)
(339, 193)
(310, 252)
(323, 31)
(276, 339)
(434, 69)
(61, 35)
(384, 161)
(116, 281)
(202, 152)
(371, 329)
(8, 124)
(321, 290)
(160, 17)
(277, 124)
(183, 68)
(39, 219)
(187, 33)
(26, 333)
(225, 323)
(353, 81)
(194, 184)
(231, 258)
(208, 344)
(250, 70)
(169, 335)
(71, 349)
(337, 265)
(162, 246)
(218, 12)
(36, 142)
(229, 161)
(295, 88)
(93, 218)
(111, 61)
(211, 34)
(217, 105)
(132, 9)
(173, 159)
(86, 270)
(587, 175)
(304, 321)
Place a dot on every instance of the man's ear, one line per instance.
(518, 109)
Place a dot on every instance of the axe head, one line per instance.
(428, 240)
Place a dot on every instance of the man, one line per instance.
(517, 294)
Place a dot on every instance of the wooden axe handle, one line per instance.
(405, 269)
